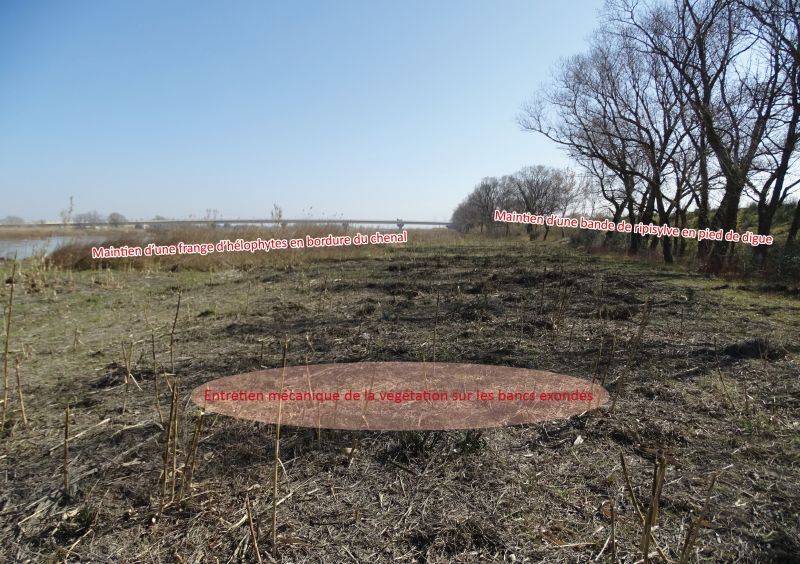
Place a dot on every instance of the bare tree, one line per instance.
(91, 217)
(486, 198)
(607, 186)
(538, 190)
(778, 30)
(542, 190)
(731, 90)
(680, 104)
(116, 219)
(465, 216)
(582, 110)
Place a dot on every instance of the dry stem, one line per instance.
(7, 340)
(168, 431)
(189, 473)
(174, 440)
(172, 334)
(155, 378)
(277, 460)
(691, 535)
(651, 520)
(252, 528)
(435, 327)
(66, 450)
(19, 393)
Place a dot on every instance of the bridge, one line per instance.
(400, 223)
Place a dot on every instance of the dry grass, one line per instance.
(193, 490)
(77, 256)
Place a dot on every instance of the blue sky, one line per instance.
(371, 109)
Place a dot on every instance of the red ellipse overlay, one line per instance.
(397, 396)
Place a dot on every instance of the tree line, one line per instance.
(539, 190)
(679, 109)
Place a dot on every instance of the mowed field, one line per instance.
(705, 372)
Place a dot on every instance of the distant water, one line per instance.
(25, 248)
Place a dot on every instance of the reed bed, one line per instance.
(77, 255)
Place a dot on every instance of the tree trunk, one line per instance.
(618, 210)
(703, 247)
(647, 215)
(795, 227)
(666, 244)
(766, 210)
(682, 224)
(765, 218)
(636, 238)
(726, 217)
